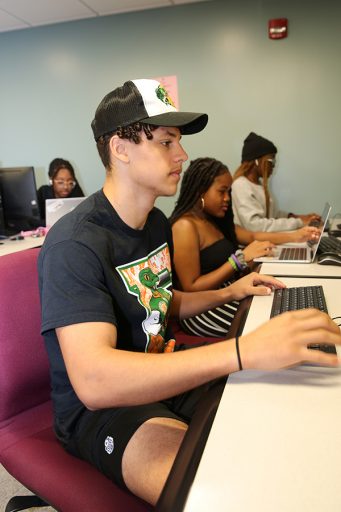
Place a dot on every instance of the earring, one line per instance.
(256, 162)
(202, 203)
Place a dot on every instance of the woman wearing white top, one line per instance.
(253, 206)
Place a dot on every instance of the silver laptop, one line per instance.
(300, 253)
(56, 208)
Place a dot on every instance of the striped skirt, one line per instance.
(214, 323)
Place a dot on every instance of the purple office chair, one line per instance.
(28, 448)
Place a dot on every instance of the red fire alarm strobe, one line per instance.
(278, 28)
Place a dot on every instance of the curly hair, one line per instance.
(131, 133)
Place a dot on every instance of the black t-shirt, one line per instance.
(95, 268)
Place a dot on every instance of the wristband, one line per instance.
(233, 264)
(237, 262)
(241, 258)
(238, 354)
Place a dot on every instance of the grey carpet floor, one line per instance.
(9, 487)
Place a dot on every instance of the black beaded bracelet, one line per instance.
(238, 354)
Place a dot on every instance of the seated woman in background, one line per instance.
(253, 205)
(206, 254)
(62, 183)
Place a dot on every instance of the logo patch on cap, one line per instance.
(163, 95)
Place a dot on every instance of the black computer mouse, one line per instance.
(329, 258)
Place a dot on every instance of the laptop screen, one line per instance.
(56, 208)
(324, 218)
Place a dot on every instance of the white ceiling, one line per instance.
(19, 14)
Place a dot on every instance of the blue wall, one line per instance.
(53, 77)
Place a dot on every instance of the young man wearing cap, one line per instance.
(253, 206)
(123, 395)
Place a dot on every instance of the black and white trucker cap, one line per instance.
(144, 101)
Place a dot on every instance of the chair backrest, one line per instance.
(24, 367)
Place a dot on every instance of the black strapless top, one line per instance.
(215, 255)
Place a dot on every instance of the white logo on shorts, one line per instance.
(109, 445)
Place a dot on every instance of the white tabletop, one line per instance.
(9, 246)
(300, 269)
(275, 444)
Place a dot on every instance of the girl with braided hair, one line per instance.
(253, 206)
(206, 240)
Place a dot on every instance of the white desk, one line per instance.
(275, 443)
(301, 269)
(9, 246)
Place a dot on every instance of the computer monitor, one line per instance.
(18, 202)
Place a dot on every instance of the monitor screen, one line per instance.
(19, 199)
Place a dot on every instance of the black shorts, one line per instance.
(102, 436)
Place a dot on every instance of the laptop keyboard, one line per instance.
(301, 297)
(293, 253)
(330, 244)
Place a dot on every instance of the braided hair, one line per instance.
(197, 179)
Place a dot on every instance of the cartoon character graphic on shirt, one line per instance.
(149, 279)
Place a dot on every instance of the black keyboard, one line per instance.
(301, 297)
(330, 244)
(293, 253)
